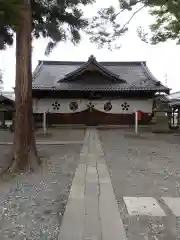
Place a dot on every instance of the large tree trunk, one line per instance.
(25, 153)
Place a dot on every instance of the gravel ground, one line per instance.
(31, 206)
(62, 134)
(5, 159)
(56, 134)
(144, 166)
(5, 136)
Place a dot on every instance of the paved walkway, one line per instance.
(92, 212)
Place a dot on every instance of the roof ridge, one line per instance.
(82, 62)
(151, 76)
(148, 73)
(92, 60)
(37, 70)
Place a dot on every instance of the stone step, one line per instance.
(149, 206)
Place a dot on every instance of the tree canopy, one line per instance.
(1, 80)
(58, 20)
(62, 20)
(166, 25)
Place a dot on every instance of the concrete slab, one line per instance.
(103, 174)
(78, 185)
(92, 223)
(91, 160)
(174, 204)
(73, 221)
(143, 206)
(111, 222)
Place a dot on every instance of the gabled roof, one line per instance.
(94, 65)
(128, 76)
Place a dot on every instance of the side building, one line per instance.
(7, 108)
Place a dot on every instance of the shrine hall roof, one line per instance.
(126, 76)
(6, 99)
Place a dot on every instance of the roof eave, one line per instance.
(39, 88)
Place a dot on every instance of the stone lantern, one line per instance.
(162, 115)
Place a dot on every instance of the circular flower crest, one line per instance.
(107, 106)
(73, 106)
(56, 105)
(125, 106)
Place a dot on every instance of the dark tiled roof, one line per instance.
(136, 76)
(4, 98)
(92, 61)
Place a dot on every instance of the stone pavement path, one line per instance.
(92, 211)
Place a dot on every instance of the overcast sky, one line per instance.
(162, 59)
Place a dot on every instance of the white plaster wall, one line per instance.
(42, 105)
(142, 105)
(39, 106)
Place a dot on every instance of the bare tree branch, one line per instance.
(115, 16)
(132, 17)
(105, 28)
(122, 10)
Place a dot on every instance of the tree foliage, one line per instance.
(58, 20)
(1, 80)
(167, 24)
(106, 27)
(1, 76)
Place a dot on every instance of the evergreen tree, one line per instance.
(57, 20)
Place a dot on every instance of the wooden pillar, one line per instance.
(136, 121)
(2, 118)
(44, 123)
(178, 116)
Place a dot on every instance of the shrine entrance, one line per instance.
(93, 117)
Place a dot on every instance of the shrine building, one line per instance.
(94, 93)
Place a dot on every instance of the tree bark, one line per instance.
(25, 152)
